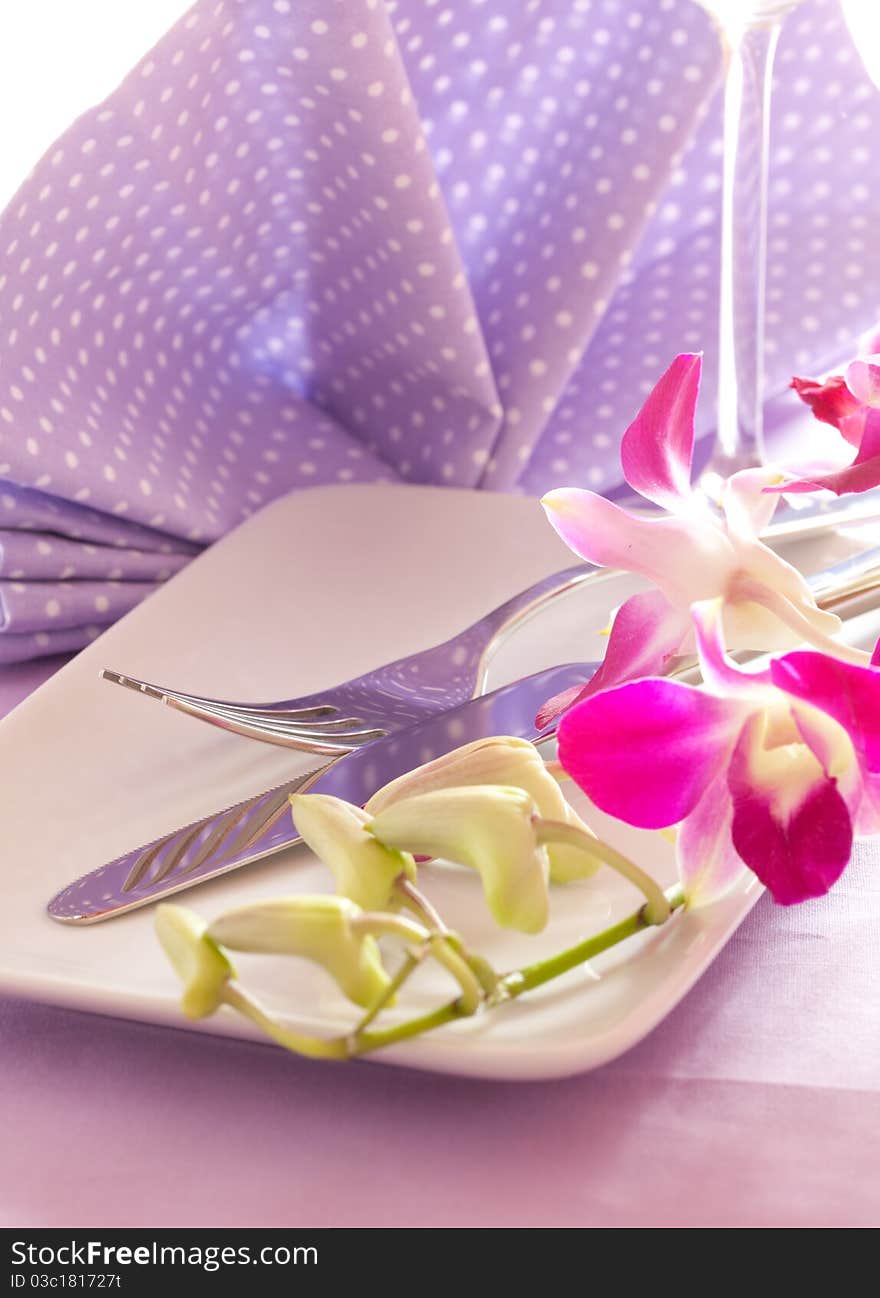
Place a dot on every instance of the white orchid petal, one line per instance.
(501, 760)
(748, 506)
(689, 556)
(199, 964)
(489, 828)
(316, 928)
(336, 832)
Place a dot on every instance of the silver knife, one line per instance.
(262, 825)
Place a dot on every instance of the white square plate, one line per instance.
(315, 589)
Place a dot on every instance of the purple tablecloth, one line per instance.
(757, 1103)
(436, 244)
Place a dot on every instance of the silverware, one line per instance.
(262, 825)
(382, 701)
(400, 693)
(259, 826)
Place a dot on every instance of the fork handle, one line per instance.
(490, 632)
(459, 679)
(847, 581)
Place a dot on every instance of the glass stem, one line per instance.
(748, 65)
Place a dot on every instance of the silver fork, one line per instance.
(395, 696)
(389, 698)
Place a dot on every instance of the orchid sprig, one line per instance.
(438, 810)
(773, 770)
(693, 552)
(749, 769)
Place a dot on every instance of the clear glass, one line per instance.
(863, 20)
(730, 14)
(749, 30)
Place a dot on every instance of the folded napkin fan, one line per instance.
(360, 241)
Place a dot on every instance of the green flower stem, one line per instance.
(471, 991)
(542, 971)
(362, 1043)
(418, 903)
(380, 924)
(408, 966)
(519, 981)
(483, 971)
(314, 1047)
(656, 907)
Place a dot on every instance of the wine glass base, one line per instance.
(722, 463)
(719, 468)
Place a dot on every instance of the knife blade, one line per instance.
(262, 825)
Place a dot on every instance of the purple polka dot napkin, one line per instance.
(360, 240)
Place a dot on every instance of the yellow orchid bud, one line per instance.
(315, 927)
(499, 760)
(488, 827)
(200, 966)
(364, 869)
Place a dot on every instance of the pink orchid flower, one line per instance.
(773, 770)
(849, 402)
(693, 553)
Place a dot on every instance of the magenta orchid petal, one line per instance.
(647, 751)
(852, 428)
(863, 379)
(852, 480)
(719, 672)
(647, 632)
(830, 400)
(869, 446)
(845, 691)
(708, 863)
(657, 448)
(791, 827)
(875, 656)
(862, 475)
(800, 858)
(559, 703)
(866, 814)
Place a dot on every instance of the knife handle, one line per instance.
(245, 832)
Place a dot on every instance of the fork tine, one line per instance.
(163, 695)
(284, 733)
(316, 729)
